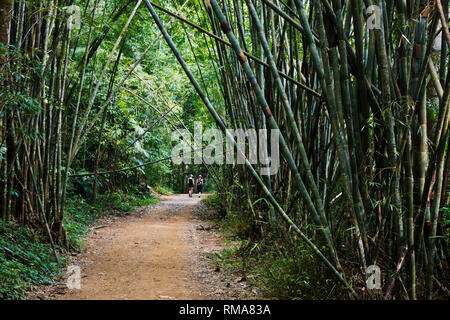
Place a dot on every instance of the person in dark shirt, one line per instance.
(199, 185)
(191, 185)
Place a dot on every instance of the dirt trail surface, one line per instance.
(156, 252)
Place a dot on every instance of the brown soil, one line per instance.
(157, 252)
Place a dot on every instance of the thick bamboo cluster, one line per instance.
(350, 85)
(359, 89)
(40, 135)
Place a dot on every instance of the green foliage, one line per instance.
(215, 201)
(78, 217)
(126, 136)
(283, 266)
(237, 221)
(26, 260)
(163, 190)
(229, 259)
(239, 224)
(23, 102)
(294, 273)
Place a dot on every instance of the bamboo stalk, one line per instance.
(229, 135)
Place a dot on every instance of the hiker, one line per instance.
(191, 184)
(199, 185)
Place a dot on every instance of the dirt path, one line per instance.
(156, 252)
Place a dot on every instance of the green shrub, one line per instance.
(216, 202)
(79, 215)
(295, 273)
(239, 224)
(280, 264)
(26, 260)
(163, 190)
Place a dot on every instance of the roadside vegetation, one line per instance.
(26, 256)
(359, 91)
(280, 266)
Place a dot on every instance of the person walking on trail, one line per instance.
(191, 185)
(199, 185)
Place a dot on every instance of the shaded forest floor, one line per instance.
(155, 252)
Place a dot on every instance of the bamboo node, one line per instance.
(268, 112)
(417, 50)
(242, 57)
(225, 26)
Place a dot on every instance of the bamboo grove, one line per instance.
(362, 150)
(359, 89)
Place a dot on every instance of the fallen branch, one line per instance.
(216, 226)
(399, 266)
(100, 227)
(441, 286)
(15, 255)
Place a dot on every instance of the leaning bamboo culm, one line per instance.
(361, 143)
(359, 91)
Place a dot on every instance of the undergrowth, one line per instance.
(162, 190)
(26, 257)
(280, 264)
(26, 260)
